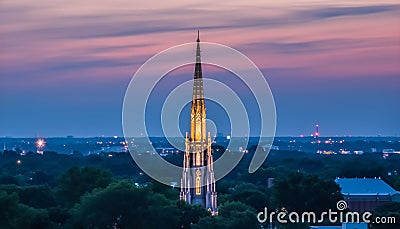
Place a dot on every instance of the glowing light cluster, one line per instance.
(40, 143)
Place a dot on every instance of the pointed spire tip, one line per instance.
(198, 35)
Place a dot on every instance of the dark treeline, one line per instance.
(109, 191)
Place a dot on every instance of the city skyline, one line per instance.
(65, 68)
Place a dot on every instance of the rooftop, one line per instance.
(365, 186)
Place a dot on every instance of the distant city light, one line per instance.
(316, 134)
(40, 143)
(18, 162)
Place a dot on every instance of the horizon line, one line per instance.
(281, 136)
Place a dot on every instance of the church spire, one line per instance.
(198, 110)
(198, 73)
(198, 92)
(198, 180)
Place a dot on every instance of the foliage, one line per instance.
(34, 196)
(78, 181)
(232, 215)
(93, 191)
(13, 214)
(300, 192)
(122, 204)
(250, 194)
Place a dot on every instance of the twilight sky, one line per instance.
(65, 65)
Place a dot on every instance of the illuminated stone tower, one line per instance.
(198, 181)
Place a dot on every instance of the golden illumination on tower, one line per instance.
(198, 181)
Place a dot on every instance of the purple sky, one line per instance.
(65, 66)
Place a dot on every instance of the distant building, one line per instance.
(344, 226)
(270, 182)
(111, 149)
(326, 152)
(326, 227)
(358, 152)
(165, 151)
(387, 152)
(271, 147)
(365, 194)
(354, 226)
(344, 151)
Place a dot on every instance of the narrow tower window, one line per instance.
(198, 159)
(198, 185)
